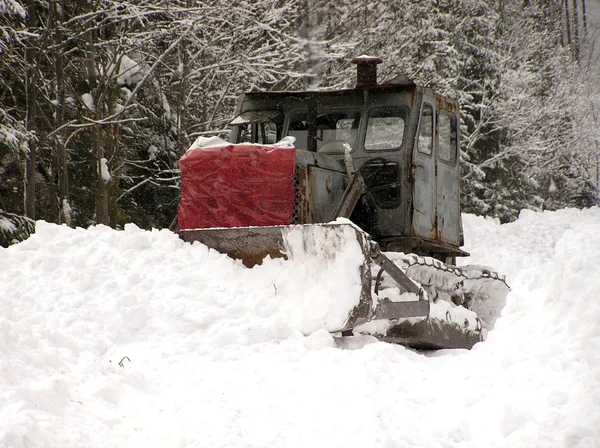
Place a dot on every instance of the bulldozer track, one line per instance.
(475, 288)
(468, 272)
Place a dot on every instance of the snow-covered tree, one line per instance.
(123, 87)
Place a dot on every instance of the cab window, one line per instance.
(332, 129)
(385, 128)
(298, 128)
(447, 124)
(425, 142)
(262, 126)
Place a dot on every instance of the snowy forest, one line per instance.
(100, 98)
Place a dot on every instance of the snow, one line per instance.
(88, 100)
(67, 211)
(8, 137)
(104, 171)
(215, 141)
(12, 7)
(152, 152)
(366, 57)
(5, 224)
(130, 72)
(286, 142)
(135, 338)
(208, 142)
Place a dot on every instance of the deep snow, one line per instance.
(134, 338)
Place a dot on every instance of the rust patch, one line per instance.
(413, 94)
(301, 186)
(446, 103)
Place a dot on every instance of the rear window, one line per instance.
(447, 136)
(425, 142)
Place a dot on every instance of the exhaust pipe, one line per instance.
(366, 70)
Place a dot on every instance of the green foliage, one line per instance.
(14, 228)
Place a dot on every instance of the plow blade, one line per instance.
(431, 334)
(341, 258)
(251, 245)
(334, 255)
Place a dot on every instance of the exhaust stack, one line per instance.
(366, 70)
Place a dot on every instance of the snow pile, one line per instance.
(135, 338)
(216, 141)
(88, 101)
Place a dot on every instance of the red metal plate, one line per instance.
(236, 186)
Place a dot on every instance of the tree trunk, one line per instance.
(568, 23)
(576, 30)
(64, 213)
(183, 72)
(101, 193)
(181, 100)
(30, 121)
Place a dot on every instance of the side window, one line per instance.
(261, 133)
(259, 126)
(299, 128)
(267, 133)
(245, 133)
(447, 136)
(385, 128)
(425, 143)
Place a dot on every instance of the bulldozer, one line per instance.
(376, 166)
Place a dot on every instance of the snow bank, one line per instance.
(135, 338)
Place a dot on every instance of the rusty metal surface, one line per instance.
(424, 187)
(249, 244)
(431, 334)
(446, 103)
(325, 190)
(352, 193)
(366, 70)
(396, 273)
(420, 246)
(398, 310)
(448, 183)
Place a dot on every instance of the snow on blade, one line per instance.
(137, 339)
(325, 276)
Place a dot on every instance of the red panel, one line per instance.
(236, 186)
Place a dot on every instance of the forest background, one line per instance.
(100, 98)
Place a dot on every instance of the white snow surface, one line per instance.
(135, 338)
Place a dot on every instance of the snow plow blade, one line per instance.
(386, 302)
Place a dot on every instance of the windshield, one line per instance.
(385, 128)
(332, 128)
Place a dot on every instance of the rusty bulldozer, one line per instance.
(377, 166)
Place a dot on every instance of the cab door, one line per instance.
(424, 172)
(448, 177)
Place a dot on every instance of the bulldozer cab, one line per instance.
(404, 140)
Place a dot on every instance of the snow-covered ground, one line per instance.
(136, 339)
